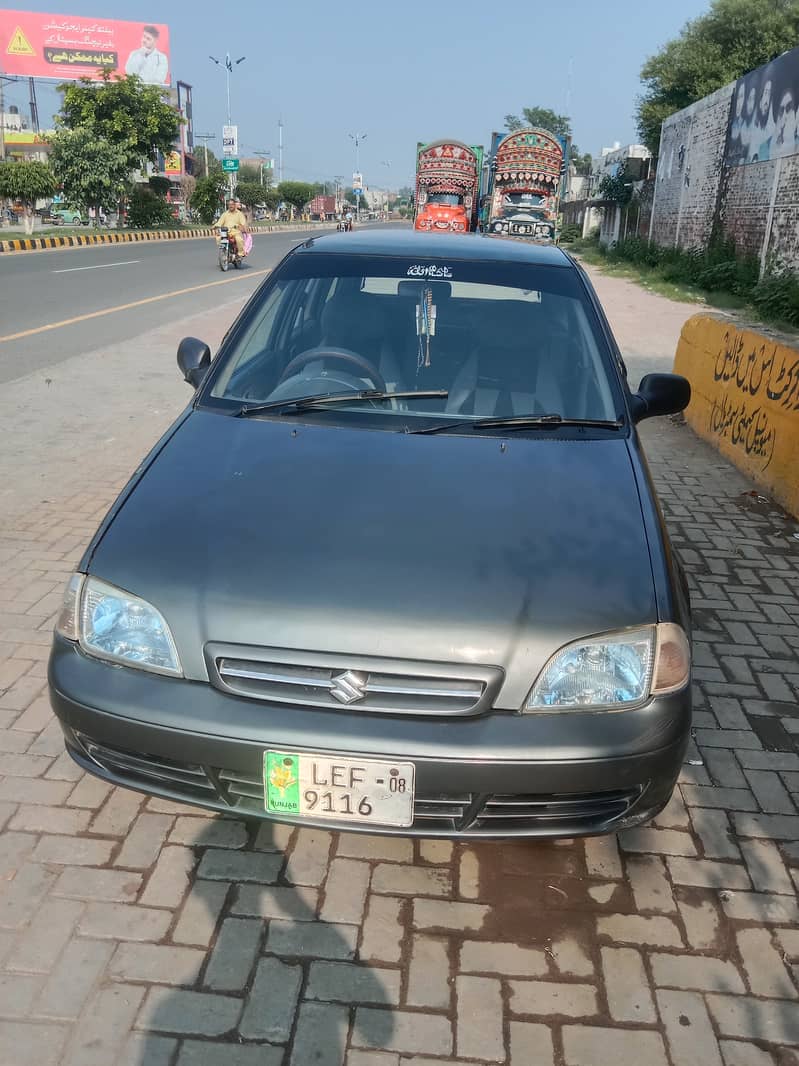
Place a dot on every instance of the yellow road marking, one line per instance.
(127, 307)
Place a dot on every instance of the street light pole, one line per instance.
(358, 138)
(205, 138)
(228, 63)
(263, 155)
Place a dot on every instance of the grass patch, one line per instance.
(717, 276)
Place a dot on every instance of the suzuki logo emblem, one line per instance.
(349, 687)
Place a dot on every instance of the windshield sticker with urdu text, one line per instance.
(423, 270)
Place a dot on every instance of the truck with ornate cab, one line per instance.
(447, 186)
(521, 184)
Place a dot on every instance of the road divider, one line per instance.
(745, 399)
(31, 244)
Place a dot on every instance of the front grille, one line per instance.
(466, 814)
(336, 682)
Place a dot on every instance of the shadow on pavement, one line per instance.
(278, 986)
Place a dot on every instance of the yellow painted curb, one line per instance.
(29, 244)
(745, 399)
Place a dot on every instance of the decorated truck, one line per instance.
(521, 188)
(447, 186)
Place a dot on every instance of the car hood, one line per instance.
(446, 548)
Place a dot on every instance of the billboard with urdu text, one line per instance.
(68, 47)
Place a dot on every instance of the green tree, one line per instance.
(28, 182)
(249, 173)
(618, 188)
(582, 163)
(207, 197)
(250, 193)
(160, 186)
(560, 125)
(270, 197)
(296, 193)
(732, 38)
(92, 172)
(146, 208)
(124, 112)
(214, 164)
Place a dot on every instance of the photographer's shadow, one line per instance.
(277, 985)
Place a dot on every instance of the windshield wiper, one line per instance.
(304, 403)
(550, 421)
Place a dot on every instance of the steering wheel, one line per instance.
(338, 355)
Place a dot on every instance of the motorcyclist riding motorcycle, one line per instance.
(235, 223)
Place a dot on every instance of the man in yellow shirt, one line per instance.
(235, 222)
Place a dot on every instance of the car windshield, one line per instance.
(445, 199)
(501, 341)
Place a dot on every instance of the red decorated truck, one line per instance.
(447, 186)
(521, 189)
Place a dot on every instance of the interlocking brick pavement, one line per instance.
(145, 933)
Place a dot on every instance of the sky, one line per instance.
(395, 74)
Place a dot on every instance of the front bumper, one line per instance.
(494, 775)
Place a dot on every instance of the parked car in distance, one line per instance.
(399, 567)
(68, 215)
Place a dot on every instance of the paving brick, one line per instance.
(143, 843)
(757, 907)
(111, 886)
(689, 1032)
(73, 851)
(176, 1010)
(34, 790)
(74, 978)
(727, 738)
(200, 912)
(211, 1053)
(725, 769)
(591, 1045)
(234, 954)
(33, 1044)
(269, 1013)
(307, 864)
(508, 960)
(775, 1021)
(770, 792)
(387, 849)
(227, 865)
(37, 819)
(479, 1025)
(765, 866)
(118, 813)
(531, 1045)
(650, 885)
(695, 972)
(147, 1049)
(602, 857)
(728, 799)
(274, 836)
(765, 970)
(349, 982)
(321, 1035)
(17, 994)
(436, 852)
(167, 884)
(429, 1034)
(570, 957)
(411, 880)
(626, 986)
(444, 914)
(382, 930)
(468, 875)
(737, 1053)
(258, 901)
(657, 841)
(15, 848)
(161, 964)
(345, 891)
(429, 974)
(701, 920)
(632, 929)
(212, 833)
(36, 948)
(123, 921)
(311, 939)
(674, 815)
(89, 793)
(546, 998)
(714, 831)
(20, 898)
(382, 1058)
(705, 873)
(767, 826)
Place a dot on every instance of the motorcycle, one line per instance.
(228, 253)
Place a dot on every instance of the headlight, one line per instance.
(616, 671)
(114, 625)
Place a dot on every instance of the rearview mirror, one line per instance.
(194, 358)
(660, 394)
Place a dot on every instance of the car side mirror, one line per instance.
(660, 394)
(194, 358)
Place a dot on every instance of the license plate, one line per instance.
(339, 790)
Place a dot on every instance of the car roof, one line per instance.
(407, 243)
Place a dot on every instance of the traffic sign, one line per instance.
(230, 141)
(230, 166)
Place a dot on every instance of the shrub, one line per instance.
(777, 297)
(145, 208)
(571, 231)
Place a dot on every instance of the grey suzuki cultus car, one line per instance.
(399, 566)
